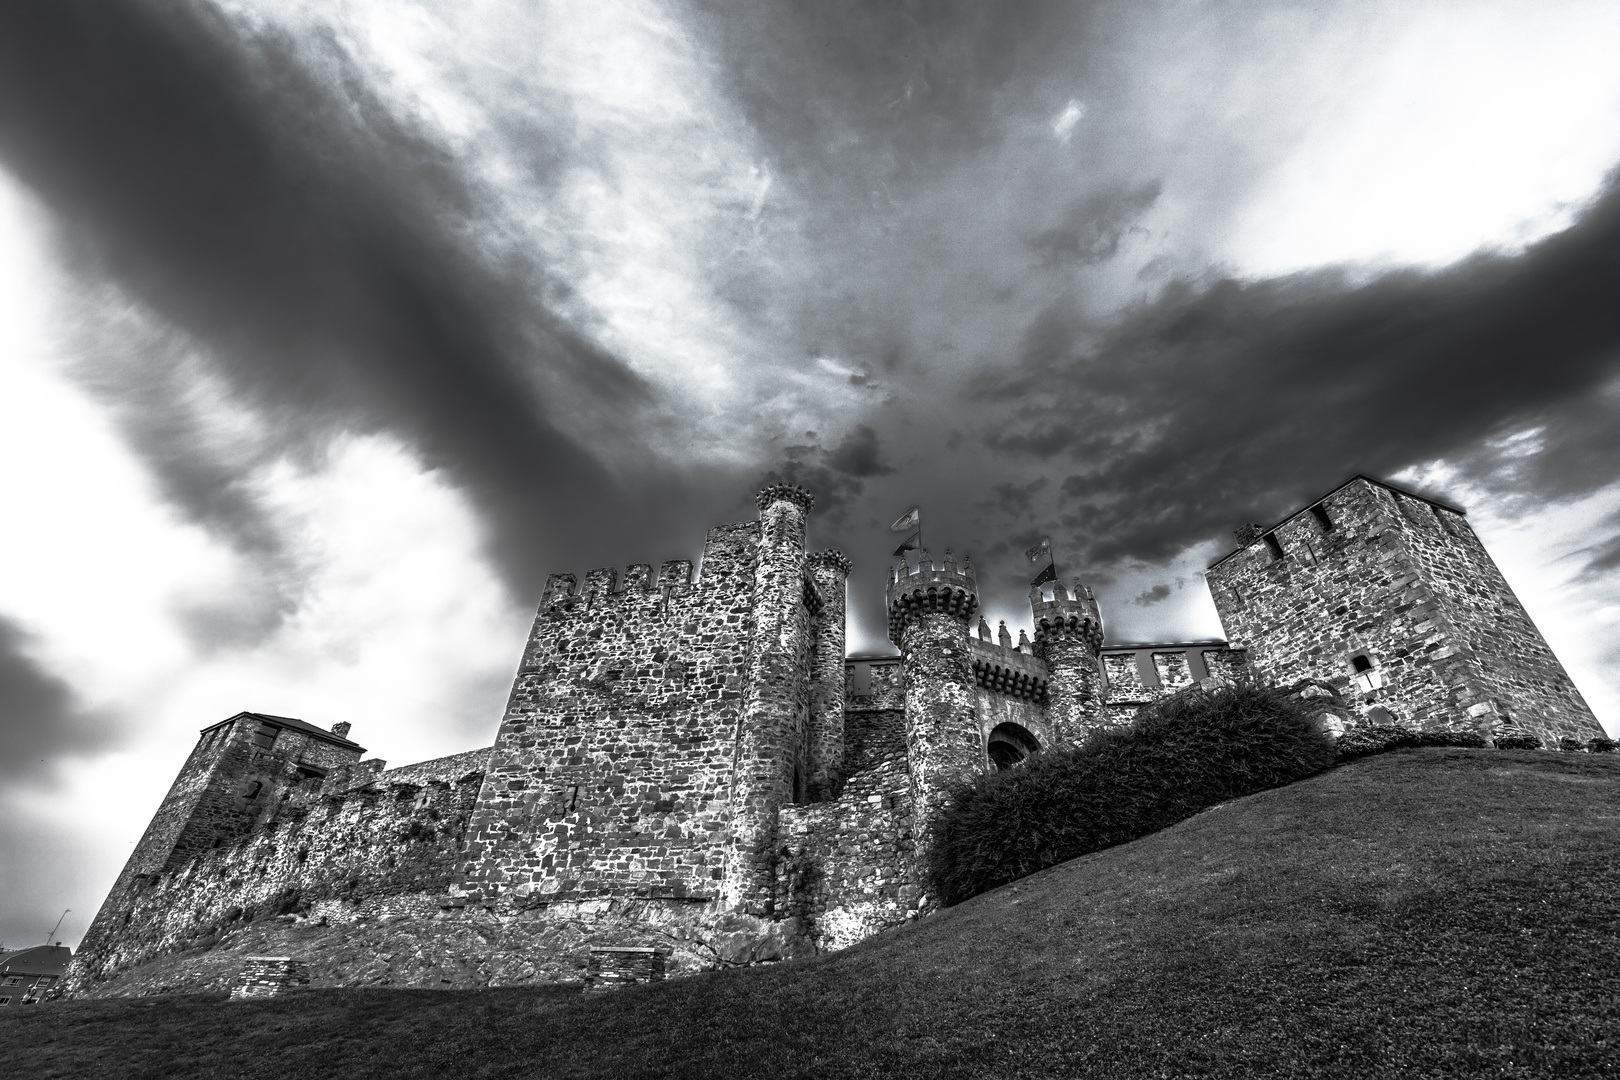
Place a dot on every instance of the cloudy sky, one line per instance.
(328, 329)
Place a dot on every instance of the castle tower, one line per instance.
(235, 775)
(770, 765)
(1068, 636)
(1390, 597)
(930, 609)
(829, 570)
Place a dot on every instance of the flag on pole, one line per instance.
(1042, 550)
(911, 543)
(910, 520)
(1049, 574)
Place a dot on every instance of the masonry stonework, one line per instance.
(1391, 598)
(690, 767)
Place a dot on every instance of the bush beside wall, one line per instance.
(1179, 756)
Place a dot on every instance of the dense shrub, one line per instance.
(1570, 746)
(1517, 742)
(1181, 755)
(1601, 745)
(1376, 740)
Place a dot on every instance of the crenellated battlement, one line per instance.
(603, 583)
(1067, 616)
(930, 588)
(831, 558)
(792, 493)
(1005, 669)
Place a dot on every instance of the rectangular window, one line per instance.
(265, 737)
(1237, 598)
(5, 1001)
(1319, 512)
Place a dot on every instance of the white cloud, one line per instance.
(1475, 126)
(1063, 126)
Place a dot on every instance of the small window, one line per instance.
(253, 790)
(1361, 663)
(1273, 545)
(1237, 598)
(1319, 512)
(265, 737)
(5, 1001)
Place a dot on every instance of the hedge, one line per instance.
(1179, 756)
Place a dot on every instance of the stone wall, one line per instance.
(845, 870)
(386, 848)
(612, 769)
(1521, 680)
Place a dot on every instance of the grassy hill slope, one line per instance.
(1435, 912)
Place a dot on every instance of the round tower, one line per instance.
(769, 767)
(930, 609)
(829, 570)
(1068, 636)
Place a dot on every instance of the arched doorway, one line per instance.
(1009, 744)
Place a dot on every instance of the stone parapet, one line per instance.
(1067, 616)
(1009, 671)
(793, 493)
(929, 589)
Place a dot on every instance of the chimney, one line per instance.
(341, 729)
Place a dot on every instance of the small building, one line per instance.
(29, 974)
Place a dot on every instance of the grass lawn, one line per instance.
(1423, 913)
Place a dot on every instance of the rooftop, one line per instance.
(38, 960)
(295, 724)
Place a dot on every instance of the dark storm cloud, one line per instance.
(40, 718)
(835, 477)
(859, 455)
(1226, 401)
(251, 193)
(1152, 596)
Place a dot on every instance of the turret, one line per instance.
(930, 609)
(829, 572)
(770, 768)
(1068, 636)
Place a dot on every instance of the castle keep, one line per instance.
(692, 761)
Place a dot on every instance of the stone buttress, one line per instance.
(930, 609)
(1068, 636)
(770, 757)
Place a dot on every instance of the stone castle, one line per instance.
(695, 763)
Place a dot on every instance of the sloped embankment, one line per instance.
(1437, 912)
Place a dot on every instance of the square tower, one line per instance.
(1391, 598)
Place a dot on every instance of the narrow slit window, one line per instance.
(1319, 512)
